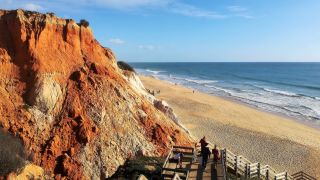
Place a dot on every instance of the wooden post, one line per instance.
(286, 176)
(236, 166)
(246, 172)
(267, 174)
(225, 162)
(239, 164)
(258, 169)
(225, 155)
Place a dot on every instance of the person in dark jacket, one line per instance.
(205, 156)
(203, 143)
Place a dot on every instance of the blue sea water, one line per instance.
(291, 89)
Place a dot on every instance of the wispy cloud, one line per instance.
(147, 47)
(120, 4)
(116, 41)
(246, 16)
(240, 11)
(192, 11)
(32, 7)
(11, 4)
(170, 6)
(237, 9)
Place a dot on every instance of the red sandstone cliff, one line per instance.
(62, 93)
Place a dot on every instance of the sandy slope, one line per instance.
(283, 143)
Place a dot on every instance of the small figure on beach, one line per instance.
(216, 155)
(193, 91)
(205, 156)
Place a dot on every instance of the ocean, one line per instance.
(290, 89)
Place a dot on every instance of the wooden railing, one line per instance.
(240, 166)
(244, 168)
(167, 159)
(302, 176)
(176, 172)
(176, 177)
(223, 165)
(141, 177)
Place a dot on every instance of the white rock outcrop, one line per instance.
(46, 94)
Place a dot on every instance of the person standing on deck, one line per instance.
(205, 156)
(216, 155)
(203, 143)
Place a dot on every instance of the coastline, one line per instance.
(279, 141)
(285, 116)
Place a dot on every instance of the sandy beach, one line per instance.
(283, 143)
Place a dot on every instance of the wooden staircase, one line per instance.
(211, 172)
(230, 166)
(191, 167)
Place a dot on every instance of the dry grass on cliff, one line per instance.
(12, 153)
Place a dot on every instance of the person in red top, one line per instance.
(216, 155)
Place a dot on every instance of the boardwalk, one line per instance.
(191, 168)
(237, 165)
(211, 172)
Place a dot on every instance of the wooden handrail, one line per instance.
(302, 175)
(184, 153)
(224, 173)
(176, 170)
(185, 171)
(176, 177)
(183, 147)
(244, 167)
(167, 159)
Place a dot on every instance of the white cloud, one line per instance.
(32, 7)
(122, 4)
(10, 4)
(246, 16)
(147, 47)
(189, 10)
(237, 9)
(171, 6)
(116, 41)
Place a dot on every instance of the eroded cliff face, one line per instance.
(62, 93)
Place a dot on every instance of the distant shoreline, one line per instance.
(289, 90)
(308, 123)
(293, 118)
(266, 137)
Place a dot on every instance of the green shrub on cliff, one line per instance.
(84, 23)
(12, 153)
(150, 167)
(125, 66)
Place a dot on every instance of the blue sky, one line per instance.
(196, 30)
